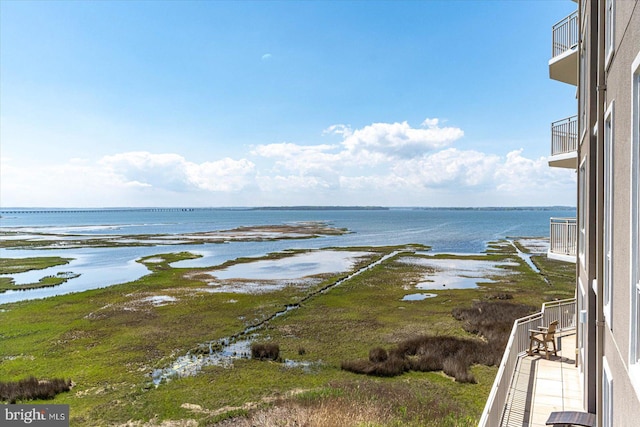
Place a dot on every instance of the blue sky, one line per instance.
(214, 103)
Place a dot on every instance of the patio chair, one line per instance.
(542, 337)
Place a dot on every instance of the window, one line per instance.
(607, 262)
(609, 30)
(582, 86)
(582, 324)
(582, 210)
(634, 359)
(607, 395)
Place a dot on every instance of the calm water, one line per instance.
(445, 230)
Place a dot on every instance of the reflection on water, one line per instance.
(190, 364)
(445, 230)
(224, 351)
(457, 273)
(526, 258)
(293, 267)
(418, 297)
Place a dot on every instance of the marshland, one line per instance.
(300, 336)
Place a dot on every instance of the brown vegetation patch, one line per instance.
(452, 355)
(357, 403)
(492, 320)
(32, 388)
(425, 353)
(265, 351)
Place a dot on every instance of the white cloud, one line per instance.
(400, 139)
(155, 170)
(266, 56)
(73, 184)
(340, 129)
(517, 173)
(450, 168)
(173, 172)
(382, 163)
(300, 158)
(224, 175)
(430, 123)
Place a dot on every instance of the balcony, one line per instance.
(564, 143)
(563, 65)
(528, 388)
(563, 239)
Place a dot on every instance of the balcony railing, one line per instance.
(563, 236)
(565, 34)
(564, 136)
(565, 312)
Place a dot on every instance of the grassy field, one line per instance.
(21, 265)
(109, 341)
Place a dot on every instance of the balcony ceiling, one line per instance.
(564, 67)
(565, 160)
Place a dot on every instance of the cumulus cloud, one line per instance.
(300, 158)
(517, 172)
(450, 167)
(375, 144)
(396, 159)
(381, 163)
(173, 172)
(400, 139)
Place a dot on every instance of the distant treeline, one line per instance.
(506, 208)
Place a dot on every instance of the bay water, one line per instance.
(444, 230)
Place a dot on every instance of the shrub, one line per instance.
(458, 369)
(378, 354)
(492, 320)
(32, 388)
(422, 353)
(501, 296)
(265, 351)
(391, 367)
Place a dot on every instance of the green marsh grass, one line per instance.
(21, 265)
(108, 341)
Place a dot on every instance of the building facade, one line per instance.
(597, 49)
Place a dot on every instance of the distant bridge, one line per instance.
(48, 211)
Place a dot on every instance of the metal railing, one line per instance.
(564, 135)
(563, 236)
(565, 35)
(565, 312)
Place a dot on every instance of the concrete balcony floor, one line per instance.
(542, 386)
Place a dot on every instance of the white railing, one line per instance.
(565, 35)
(565, 312)
(563, 236)
(564, 136)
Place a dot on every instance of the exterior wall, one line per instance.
(587, 154)
(626, 402)
(619, 93)
(607, 348)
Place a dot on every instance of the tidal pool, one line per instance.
(457, 273)
(294, 267)
(159, 300)
(418, 297)
(535, 246)
(222, 352)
